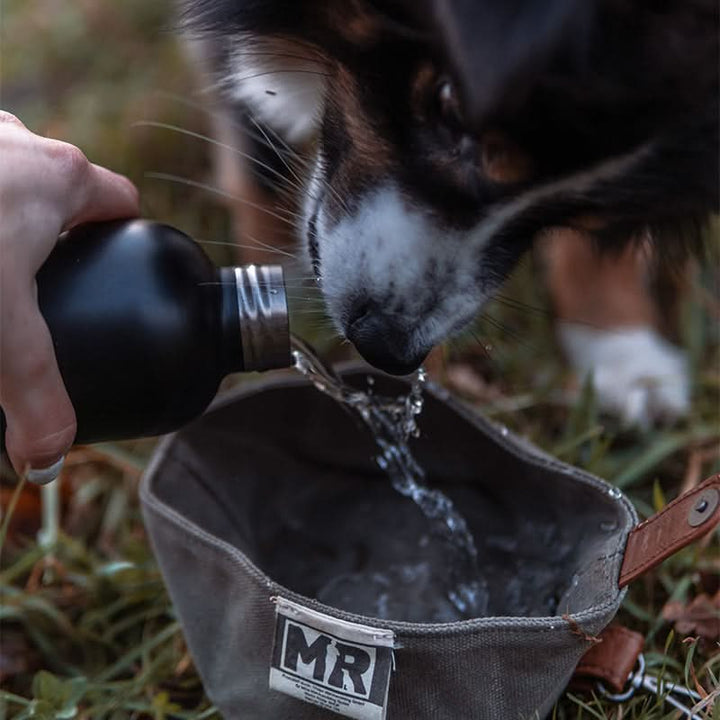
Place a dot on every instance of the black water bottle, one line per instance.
(145, 326)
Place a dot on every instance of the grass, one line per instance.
(87, 628)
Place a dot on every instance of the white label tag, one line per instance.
(335, 664)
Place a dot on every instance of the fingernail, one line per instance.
(45, 475)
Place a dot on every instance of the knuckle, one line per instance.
(71, 160)
(10, 119)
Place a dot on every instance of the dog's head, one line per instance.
(450, 132)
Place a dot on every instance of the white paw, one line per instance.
(638, 376)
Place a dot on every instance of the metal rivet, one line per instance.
(703, 507)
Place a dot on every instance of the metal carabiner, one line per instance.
(667, 690)
(638, 680)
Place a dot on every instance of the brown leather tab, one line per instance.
(611, 660)
(682, 521)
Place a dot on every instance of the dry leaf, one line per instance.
(700, 617)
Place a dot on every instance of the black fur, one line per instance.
(574, 81)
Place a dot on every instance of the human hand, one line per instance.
(46, 187)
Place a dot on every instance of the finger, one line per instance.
(10, 119)
(53, 187)
(103, 195)
(40, 418)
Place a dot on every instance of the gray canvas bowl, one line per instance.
(274, 492)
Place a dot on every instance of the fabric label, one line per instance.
(332, 663)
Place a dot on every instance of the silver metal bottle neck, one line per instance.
(263, 316)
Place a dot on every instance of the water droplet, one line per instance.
(504, 431)
(615, 493)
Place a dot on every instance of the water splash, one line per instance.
(392, 422)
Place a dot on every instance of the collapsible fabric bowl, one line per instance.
(260, 504)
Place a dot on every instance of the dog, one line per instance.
(449, 134)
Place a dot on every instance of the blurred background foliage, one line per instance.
(87, 629)
(87, 72)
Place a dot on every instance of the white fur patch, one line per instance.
(388, 249)
(311, 201)
(393, 253)
(282, 83)
(637, 375)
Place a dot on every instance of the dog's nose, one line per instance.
(384, 340)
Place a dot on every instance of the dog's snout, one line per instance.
(383, 339)
(359, 311)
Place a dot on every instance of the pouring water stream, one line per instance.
(392, 422)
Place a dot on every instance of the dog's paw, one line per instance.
(638, 376)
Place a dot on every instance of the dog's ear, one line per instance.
(498, 48)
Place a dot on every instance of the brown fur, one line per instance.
(368, 157)
(502, 160)
(608, 291)
(355, 23)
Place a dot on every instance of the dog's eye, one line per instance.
(448, 103)
(503, 160)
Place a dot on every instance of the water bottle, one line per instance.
(145, 326)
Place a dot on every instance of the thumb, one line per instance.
(40, 418)
(101, 195)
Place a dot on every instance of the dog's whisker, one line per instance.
(242, 129)
(270, 248)
(217, 143)
(281, 71)
(283, 143)
(328, 187)
(267, 249)
(309, 311)
(272, 146)
(503, 327)
(334, 192)
(217, 191)
(485, 348)
(519, 305)
(306, 289)
(268, 53)
(223, 243)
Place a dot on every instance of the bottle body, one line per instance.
(144, 327)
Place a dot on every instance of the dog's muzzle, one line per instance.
(384, 340)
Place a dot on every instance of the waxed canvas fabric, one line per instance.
(271, 492)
